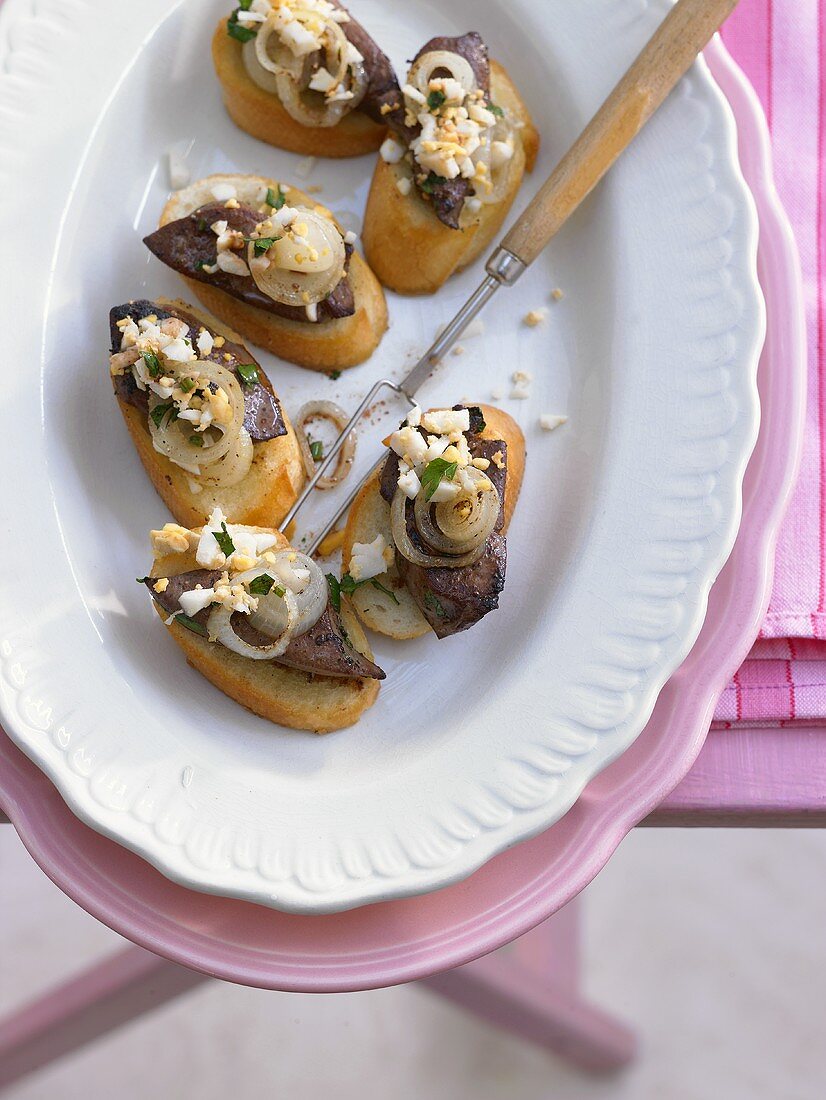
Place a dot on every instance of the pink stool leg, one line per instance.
(101, 999)
(530, 988)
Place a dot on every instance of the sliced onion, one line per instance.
(499, 177)
(234, 466)
(270, 53)
(171, 438)
(443, 527)
(219, 624)
(263, 76)
(295, 288)
(272, 65)
(298, 103)
(422, 70)
(311, 601)
(404, 544)
(329, 411)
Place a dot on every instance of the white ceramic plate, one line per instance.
(627, 513)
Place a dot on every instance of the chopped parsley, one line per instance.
(153, 364)
(201, 264)
(317, 450)
(191, 624)
(249, 373)
(435, 605)
(335, 590)
(349, 585)
(494, 110)
(202, 226)
(263, 244)
(386, 591)
(224, 540)
(158, 413)
(237, 30)
(431, 182)
(276, 199)
(260, 586)
(143, 580)
(334, 375)
(434, 472)
(435, 100)
(196, 440)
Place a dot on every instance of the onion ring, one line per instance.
(297, 288)
(330, 411)
(405, 546)
(421, 72)
(446, 530)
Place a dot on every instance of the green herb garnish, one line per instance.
(159, 412)
(432, 182)
(386, 591)
(202, 226)
(435, 100)
(196, 440)
(191, 624)
(434, 472)
(264, 244)
(317, 450)
(153, 364)
(276, 199)
(334, 375)
(187, 384)
(335, 590)
(435, 605)
(237, 30)
(224, 540)
(494, 110)
(143, 580)
(248, 373)
(260, 586)
(349, 585)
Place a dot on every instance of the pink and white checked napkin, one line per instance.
(781, 46)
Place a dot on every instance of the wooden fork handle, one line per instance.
(664, 60)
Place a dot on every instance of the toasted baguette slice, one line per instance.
(370, 516)
(285, 696)
(331, 345)
(265, 495)
(406, 245)
(261, 114)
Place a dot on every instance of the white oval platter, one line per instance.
(627, 512)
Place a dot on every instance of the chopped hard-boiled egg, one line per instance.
(369, 559)
(445, 421)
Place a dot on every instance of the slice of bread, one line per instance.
(370, 516)
(330, 345)
(285, 696)
(406, 245)
(261, 114)
(266, 493)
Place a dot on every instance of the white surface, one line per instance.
(634, 503)
(709, 943)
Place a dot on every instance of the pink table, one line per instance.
(740, 777)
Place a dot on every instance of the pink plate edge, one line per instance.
(340, 953)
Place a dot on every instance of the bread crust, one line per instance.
(332, 345)
(266, 493)
(406, 245)
(370, 516)
(261, 114)
(319, 704)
